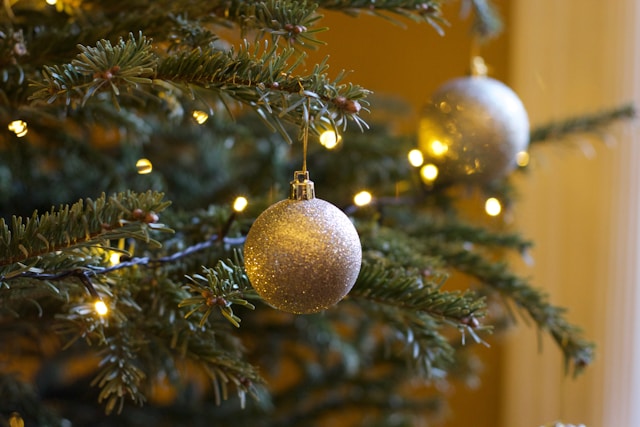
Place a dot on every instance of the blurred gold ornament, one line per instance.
(302, 254)
(472, 130)
(15, 420)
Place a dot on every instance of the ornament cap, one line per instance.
(302, 187)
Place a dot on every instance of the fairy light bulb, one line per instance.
(101, 308)
(19, 127)
(429, 173)
(114, 258)
(363, 198)
(416, 158)
(200, 116)
(330, 139)
(438, 148)
(144, 166)
(492, 206)
(240, 204)
(52, 2)
(522, 158)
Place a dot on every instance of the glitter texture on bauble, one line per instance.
(303, 254)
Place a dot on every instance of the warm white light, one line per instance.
(363, 198)
(240, 204)
(114, 258)
(492, 206)
(19, 127)
(200, 116)
(52, 2)
(416, 159)
(438, 148)
(429, 172)
(329, 139)
(144, 166)
(101, 308)
(522, 158)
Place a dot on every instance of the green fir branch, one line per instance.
(453, 230)
(456, 255)
(399, 288)
(120, 376)
(289, 20)
(85, 223)
(487, 23)
(260, 78)
(577, 351)
(214, 351)
(222, 286)
(418, 311)
(588, 123)
(415, 10)
(115, 68)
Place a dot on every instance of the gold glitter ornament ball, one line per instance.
(302, 256)
(472, 130)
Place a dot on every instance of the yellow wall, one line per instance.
(408, 61)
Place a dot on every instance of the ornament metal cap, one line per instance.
(302, 187)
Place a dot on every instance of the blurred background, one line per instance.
(578, 201)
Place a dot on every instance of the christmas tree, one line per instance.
(134, 134)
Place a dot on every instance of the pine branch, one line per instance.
(453, 230)
(222, 286)
(260, 78)
(289, 20)
(399, 288)
(85, 223)
(120, 375)
(113, 68)
(487, 23)
(578, 352)
(580, 124)
(223, 369)
(402, 287)
(418, 11)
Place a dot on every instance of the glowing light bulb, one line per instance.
(240, 204)
(200, 116)
(19, 127)
(101, 308)
(522, 158)
(438, 148)
(330, 139)
(429, 172)
(416, 159)
(492, 206)
(363, 198)
(114, 258)
(144, 166)
(52, 2)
